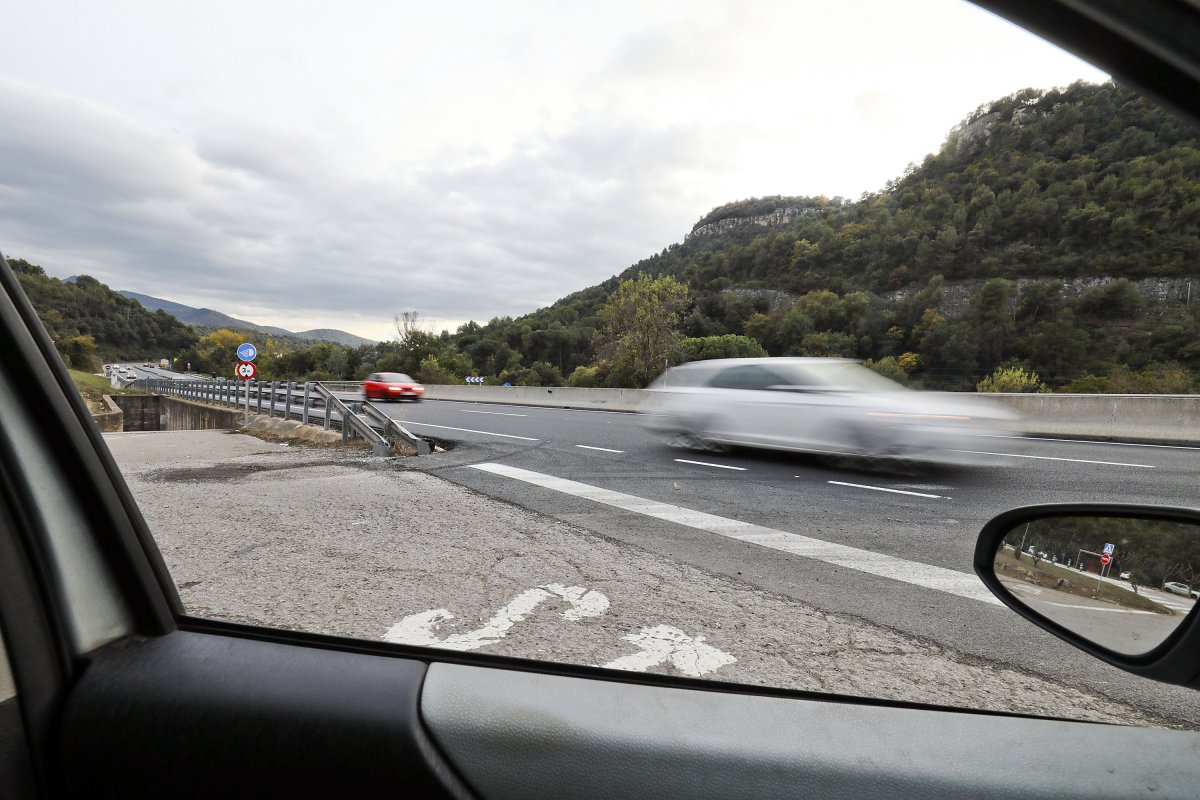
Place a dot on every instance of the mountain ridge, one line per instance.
(210, 318)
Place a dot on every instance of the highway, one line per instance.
(891, 550)
(903, 545)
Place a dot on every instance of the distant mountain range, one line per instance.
(207, 318)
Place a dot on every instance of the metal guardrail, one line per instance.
(309, 403)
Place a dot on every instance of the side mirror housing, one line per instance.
(1114, 580)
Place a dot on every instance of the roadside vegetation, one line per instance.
(1051, 244)
(1043, 574)
(93, 387)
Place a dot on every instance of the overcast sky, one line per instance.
(334, 164)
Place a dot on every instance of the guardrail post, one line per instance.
(304, 408)
(328, 412)
(287, 403)
(258, 397)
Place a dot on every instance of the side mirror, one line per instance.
(1113, 580)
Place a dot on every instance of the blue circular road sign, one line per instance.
(247, 351)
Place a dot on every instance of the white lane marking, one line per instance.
(1088, 441)
(1053, 458)
(497, 413)
(706, 464)
(663, 644)
(893, 491)
(941, 579)
(420, 629)
(601, 449)
(1097, 608)
(468, 430)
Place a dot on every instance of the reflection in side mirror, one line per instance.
(1122, 583)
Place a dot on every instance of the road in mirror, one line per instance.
(1122, 583)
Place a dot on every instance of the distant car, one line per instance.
(1125, 576)
(835, 407)
(392, 386)
(1174, 587)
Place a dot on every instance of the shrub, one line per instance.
(1012, 380)
(888, 367)
(584, 378)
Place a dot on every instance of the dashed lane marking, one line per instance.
(1089, 441)
(1053, 458)
(497, 413)
(469, 430)
(601, 449)
(706, 464)
(893, 491)
(950, 581)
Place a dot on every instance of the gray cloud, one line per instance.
(249, 218)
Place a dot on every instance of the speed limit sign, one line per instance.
(246, 370)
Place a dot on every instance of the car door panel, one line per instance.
(201, 715)
(516, 735)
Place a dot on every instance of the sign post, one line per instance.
(246, 370)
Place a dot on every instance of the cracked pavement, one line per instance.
(331, 541)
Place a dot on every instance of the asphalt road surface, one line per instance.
(892, 550)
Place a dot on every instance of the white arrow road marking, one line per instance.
(663, 644)
(917, 573)
(421, 629)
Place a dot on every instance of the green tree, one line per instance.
(80, 352)
(642, 327)
(728, 346)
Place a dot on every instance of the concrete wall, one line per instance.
(555, 397)
(161, 413)
(1165, 419)
(142, 412)
(112, 418)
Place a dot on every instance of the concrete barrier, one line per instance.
(1156, 418)
(1159, 419)
(550, 396)
(161, 413)
(112, 418)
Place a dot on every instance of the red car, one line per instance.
(391, 386)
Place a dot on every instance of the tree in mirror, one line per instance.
(1124, 584)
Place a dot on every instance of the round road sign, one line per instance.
(246, 370)
(247, 351)
(1104, 559)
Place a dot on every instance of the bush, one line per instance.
(1154, 379)
(80, 352)
(888, 367)
(728, 346)
(432, 372)
(1012, 380)
(540, 373)
(584, 378)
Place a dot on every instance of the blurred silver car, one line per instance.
(832, 406)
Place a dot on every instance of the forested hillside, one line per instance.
(1034, 237)
(1055, 232)
(89, 322)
